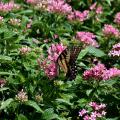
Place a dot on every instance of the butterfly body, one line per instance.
(67, 61)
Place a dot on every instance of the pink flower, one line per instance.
(22, 96)
(99, 10)
(112, 72)
(31, 1)
(115, 50)
(59, 6)
(2, 82)
(25, 50)
(109, 31)
(93, 116)
(71, 16)
(1, 19)
(51, 70)
(87, 38)
(29, 24)
(103, 113)
(96, 106)
(79, 16)
(117, 18)
(46, 40)
(93, 6)
(55, 36)
(86, 117)
(49, 67)
(54, 51)
(83, 112)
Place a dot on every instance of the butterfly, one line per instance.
(67, 61)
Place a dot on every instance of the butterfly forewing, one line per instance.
(67, 61)
(63, 60)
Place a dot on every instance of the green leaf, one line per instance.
(6, 103)
(26, 12)
(5, 58)
(83, 53)
(109, 2)
(34, 105)
(82, 102)
(6, 73)
(49, 114)
(88, 92)
(3, 89)
(21, 117)
(96, 52)
(108, 82)
(64, 101)
(113, 118)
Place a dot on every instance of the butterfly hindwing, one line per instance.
(74, 53)
(71, 75)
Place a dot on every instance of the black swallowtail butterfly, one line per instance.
(67, 61)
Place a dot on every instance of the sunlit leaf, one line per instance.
(34, 105)
(96, 52)
(22, 117)
(6, 103)
(49, 114)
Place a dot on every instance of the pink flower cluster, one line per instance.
(22, 96)
(78, 16)
(117, 18)
(99, 72)
(115, 50)
(2, 82)
(25, 50)
(112, 72)
(98, 111)
(39, 4)
(59, 6)
(95, 72)
(49, 65)
(87, 38)
(110, 31)
(6, 7)
(99, 10)
(15, 22)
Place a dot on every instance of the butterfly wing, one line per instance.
(67, 61)
(73, 67)
(63, 60)
(72, 72)
(74, 53)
